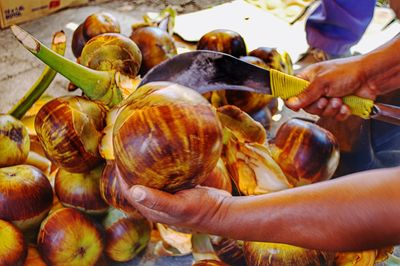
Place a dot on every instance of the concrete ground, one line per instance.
(19, 69)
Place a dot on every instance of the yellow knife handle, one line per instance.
(286, 86)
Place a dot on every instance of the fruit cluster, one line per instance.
(62, 179)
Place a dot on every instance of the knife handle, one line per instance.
(387, 113)
(286, 86)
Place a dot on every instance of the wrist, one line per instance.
(380, 68)
(215, 215)
(226, 218)
(369, 87)
(250, 218)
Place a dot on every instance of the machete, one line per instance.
(206, 71)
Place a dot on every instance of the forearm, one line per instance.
(356, 212)
(381, 67)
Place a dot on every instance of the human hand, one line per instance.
(199, 209)
(329, 81)
(395, 6)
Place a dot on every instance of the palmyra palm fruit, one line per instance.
(223, 40)
(167, 136)
(95, 24)
(14, 141)
(305, 152)
(155, 44)
(69, 129)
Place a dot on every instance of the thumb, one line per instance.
(154, 204)
(154, 199)
(311, 94)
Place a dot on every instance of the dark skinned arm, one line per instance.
(356, 212)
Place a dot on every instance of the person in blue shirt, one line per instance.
(331, 30)
(334, 27)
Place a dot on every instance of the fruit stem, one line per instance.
(97, 85)
(43, 82)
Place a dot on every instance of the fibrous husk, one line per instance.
(173, 243)
(252, 168)
(245, 128)
(248, 161)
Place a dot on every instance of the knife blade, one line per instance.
(207, 71)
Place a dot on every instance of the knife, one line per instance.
(206, 71)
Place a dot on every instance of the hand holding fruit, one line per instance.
(181, 209)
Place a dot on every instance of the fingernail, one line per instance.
(343, 110)
(294, 101)
(138, 194)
